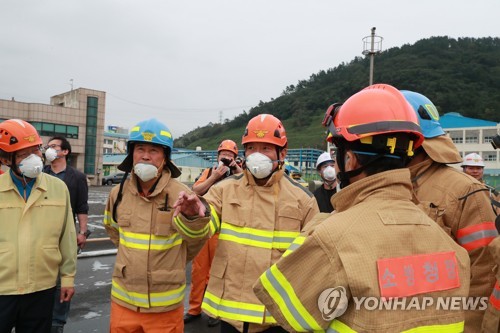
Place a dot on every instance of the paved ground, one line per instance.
(90, 305)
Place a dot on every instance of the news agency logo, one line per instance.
(332, 303)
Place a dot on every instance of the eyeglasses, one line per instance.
(34, 150)
(53, 146)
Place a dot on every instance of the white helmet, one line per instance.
(473, 159)
(324, 157)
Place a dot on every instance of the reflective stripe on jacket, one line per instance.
(375, 221)
(257, 224)
(150, 269)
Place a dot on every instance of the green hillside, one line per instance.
(457, 75)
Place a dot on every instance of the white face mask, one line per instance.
(259, 165)
(31, 166)
(51, 154)
(145, 171)
(329, 173)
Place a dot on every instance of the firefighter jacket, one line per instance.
(491, 320)
(378, 245)
(150, 268)
(461, 206)
(37, 237)
(257, 224)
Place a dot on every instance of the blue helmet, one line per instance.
(427, 113)
(151, 131)
(154, 132)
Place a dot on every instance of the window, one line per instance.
(457, 140)
(490, 156)
(49, 129)
(471, 139)
(72, 132)
(60, 129)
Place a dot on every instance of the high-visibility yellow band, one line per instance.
(166, 298)
(108, 220)
(337, 326)
(240, 311)
(148, 242)
(295, 245)
(190, 232)
(214, 221)
(282, 292)
(267, 239)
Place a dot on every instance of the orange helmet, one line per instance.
(17, 134)
(265, 128)
(229, 145)
(375, 110)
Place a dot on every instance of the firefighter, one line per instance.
(473, 165)
(325, 165)
(149, 277)
(378, 243)
(227, 152)
(258, 213)
(455, 201)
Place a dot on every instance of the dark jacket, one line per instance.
(76, 182)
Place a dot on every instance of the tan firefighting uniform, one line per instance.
(491, 320)
(442, 191)
(150, 269)
(257, 224)
(376, 225)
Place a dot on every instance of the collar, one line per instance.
(273, 179)
(156, 189)
(420, 172)
(396, 184)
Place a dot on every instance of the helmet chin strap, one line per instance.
(345, 176)
(14, 167)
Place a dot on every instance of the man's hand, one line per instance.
(81, 240)
(219, 172)
(66, 294)
(236, 167)
(189, 205)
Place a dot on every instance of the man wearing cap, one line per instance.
(259, 213)
(325, 167)
(37, 234)
(456, 202)
(473, 165)
(149, 276)
(377, 245)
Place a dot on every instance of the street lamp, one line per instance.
(372, 45)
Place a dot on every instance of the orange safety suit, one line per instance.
(377, 245)
(149, 276)
(257, 224)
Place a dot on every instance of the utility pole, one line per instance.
(372, 45)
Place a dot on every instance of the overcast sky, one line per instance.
(184, 62)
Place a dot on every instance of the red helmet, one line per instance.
(17, 134)
(375, 110)
(229, 145)
(265, 128)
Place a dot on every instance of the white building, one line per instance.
(474, 136)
